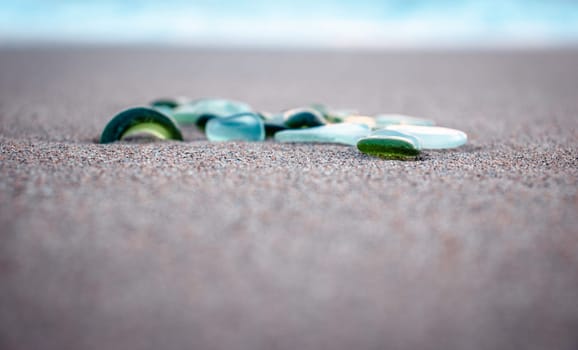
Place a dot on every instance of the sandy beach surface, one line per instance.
(200, 245)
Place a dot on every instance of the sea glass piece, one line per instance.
(387, 132)
(433, 137)
(200, 111)
(388, 147)
(343, 133)
(303, 117)
(140, 123)
(146, 130)
(239, 127)
(383, 120)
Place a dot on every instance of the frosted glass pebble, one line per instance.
(433, 137)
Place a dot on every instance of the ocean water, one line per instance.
(292, 23)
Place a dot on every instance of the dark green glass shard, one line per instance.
(169, 102)
(303, 117)
(388, 147)
(140, 121)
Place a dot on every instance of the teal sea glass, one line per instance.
(239, 127)
(303, 117)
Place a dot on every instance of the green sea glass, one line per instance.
(389, 147)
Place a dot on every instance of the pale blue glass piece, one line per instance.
(383, 120)
(393, 133)
(343, 133)
(433, 137)
(240, 127)
(208, 108)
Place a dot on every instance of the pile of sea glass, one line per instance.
(389, 136)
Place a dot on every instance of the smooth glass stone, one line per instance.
(383, 120)
(344, 133)
(303, 117)
(200, 111)
(433, 137)
(387, 132)
(240, 127)
(140, 122)
(388, 147)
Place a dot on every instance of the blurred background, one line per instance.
(291, 23)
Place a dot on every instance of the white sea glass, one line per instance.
(433, 137)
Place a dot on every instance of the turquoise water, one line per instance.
(325, 23)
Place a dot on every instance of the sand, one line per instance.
(200, 245)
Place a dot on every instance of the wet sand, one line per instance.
(204, 245)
